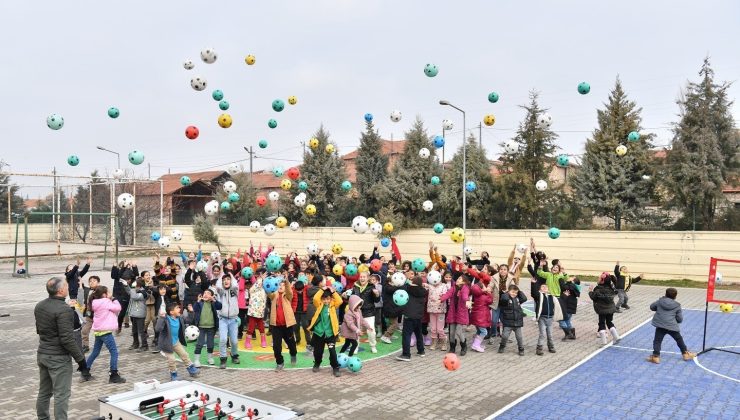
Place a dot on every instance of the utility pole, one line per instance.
(480, 135)
(303, 143)
(251, 157)
(149, 170)
(443, 147)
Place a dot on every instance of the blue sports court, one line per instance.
(618, 383)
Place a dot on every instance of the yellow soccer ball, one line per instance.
(292, 100)
(224, 120)
(337, 249)
(250, 59)
(281, 222)
(621, 150)
(313, 143)
(388, 227)
(370, 221)
(329, 148)
(337, 270)
(310, 210)
(286, 184)
(457, 235)
(489, 120)
(363, 268)
(726, 307)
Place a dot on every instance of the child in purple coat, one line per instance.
(457, 314)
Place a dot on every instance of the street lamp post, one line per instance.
(465, 169)
(118, 155)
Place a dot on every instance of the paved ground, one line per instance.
(385, 388)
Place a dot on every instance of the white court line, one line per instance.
(696, 361)
(650, 350)
(711, 310)
(560, 375)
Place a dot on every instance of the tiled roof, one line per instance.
(172, 182)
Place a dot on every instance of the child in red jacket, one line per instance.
(300, 309)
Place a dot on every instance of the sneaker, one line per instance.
(492, 341)
(155, 349)
(337, 373)
(235, 359)
(625, 306)
(421, 354)
(133, 347)
(193, 370)
(143, 348)
(115, 378)
(85, 378)
(521, 351)
(315, 369)
(386, 340)
(309, 349)
(373, 350)
(619, 311)
(654, 359)
(196, 363)
(280, 367)
(688, 356)
(210, 360)
(293, 360)
(222, 365)
(403, 358)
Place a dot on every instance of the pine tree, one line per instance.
(372, 169)
(204, 231)
(246, 209)
(409, 183)
(324, 172)
(478, 203)
(516, 198)
(610, 185)
(704, 152)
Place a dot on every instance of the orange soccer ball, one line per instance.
(451, 362)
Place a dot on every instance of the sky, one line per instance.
(341, 59)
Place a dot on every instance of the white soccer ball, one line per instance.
(434, 277)
(270, 229)
(294, 226)
(511, 146)
(191, 333)
(125, 201)
(718, 277)
(521, 248)
(233, 169)
(396, 115)
(621, 150)
(312, 249)
(273, 196)
(544, 120)
(229, 187)
(427, 205)
(211, 208)
(398, 279)
(468, 251)
(254, 226)
(176, 235)
(201, 265)
(188, 64)
(447, 124)
(541, 185)
(208, 55)
(215, 255)
(376, 228)
(300, 200)
(424, 153)
(646, 177)
(359, 224)
(198, 83)
(164, 242)
(118, 173)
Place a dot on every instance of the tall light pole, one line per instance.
(465, 169)
(443, 147)
(118, 155)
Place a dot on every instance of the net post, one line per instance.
(105, 247)
(25, 228)
(704, 338)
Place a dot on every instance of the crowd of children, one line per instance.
(324, 297)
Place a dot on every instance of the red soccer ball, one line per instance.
(293, 173)
(192, 132)
(261, 200)
(451, 362)
(376, 265)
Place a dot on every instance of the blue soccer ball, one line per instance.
(342, 358)
(368, 117)
(385, 242)
(354, 364)
(271, 284)
(439, 141)
(470, 186)
(155, 236)
(338, 286)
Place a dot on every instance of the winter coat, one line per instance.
(434, 303)
(603, 299)
(624, 282)
(353, 319)
(415, 307)
(55, 326)
(73, 279)
(570, 303)
(368, 298)
(668, 314)
(311, 292)
(390, 309)
(336, 301)
(165, 335)
(229, 302)
(552, 280)
(546, 304)
(198, 308)
(480, 314)
(105, 316)
(458, 311)
(137, 305)
(511, 310)
(303, 295)
(120, 277)
(287, 310)
(257, 300)
(195, 284)
(503, 284)
(243, 296)
(161, 302)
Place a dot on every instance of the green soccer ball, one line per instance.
(113, 112)
(563, 160)
(55, 121)
(436, 180)
(223, 105)
(633, 136)
(553, 233)
(272, 123)
(217, 95)
(346, 186)
(184, 180)
(303, 185)
(493, 97)
(438, 228)
(136, 157)
(278, 105)
(233, 197)
(225, 206)
(584, 88)
(73, 160)
(431, 70)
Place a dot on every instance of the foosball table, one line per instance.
(185, 400)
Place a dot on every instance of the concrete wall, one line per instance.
(37, 232)
(660, 255)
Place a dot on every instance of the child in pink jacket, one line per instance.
(105, 310)
(457, 315)
(352, 325)
(436, 309)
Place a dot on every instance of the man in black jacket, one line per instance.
(55, 325)
(413, 312)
